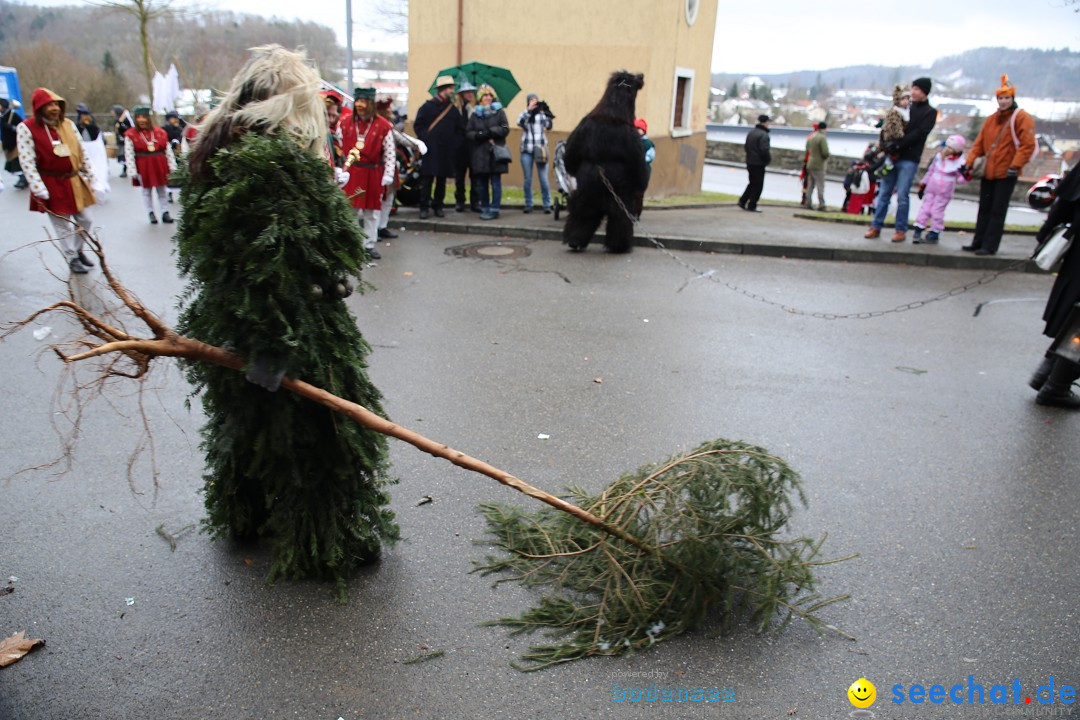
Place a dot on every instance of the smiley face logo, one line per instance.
(862, 693)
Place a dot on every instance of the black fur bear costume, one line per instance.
(607, 140)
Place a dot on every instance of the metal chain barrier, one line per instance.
(711, 275)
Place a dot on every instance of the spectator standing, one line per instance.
(908, 151)
(121, 125)
(94, 145)
(650, 154)
(1007, 141)
(534, 121)
(148, 152)
(936, 189)
(487, 129)
(370, 160)
(174, 129)
(58, 173)
(404, 147)
(758, 157)
(438, 123)
(465, 195)
(817, 153)
(9, 121)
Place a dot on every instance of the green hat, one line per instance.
(364, 93)
(141, 110)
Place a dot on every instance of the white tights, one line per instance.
(162, 197)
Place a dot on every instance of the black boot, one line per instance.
(166, 217)
(21, 182)
(1057, 391)
(153, 218)
(1038, 379)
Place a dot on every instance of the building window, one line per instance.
(692, 7)
(682, 104)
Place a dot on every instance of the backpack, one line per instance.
(1016, 140)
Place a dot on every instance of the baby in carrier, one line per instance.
(893, 126)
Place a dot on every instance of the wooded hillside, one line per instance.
(93, 55)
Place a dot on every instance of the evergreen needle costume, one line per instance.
(267, 241)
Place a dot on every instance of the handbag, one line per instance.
(501, 154)
(1054, 248)
(978, 168)
(540, 154)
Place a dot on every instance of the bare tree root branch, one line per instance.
(131, 357)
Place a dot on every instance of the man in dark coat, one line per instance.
(909, 151)
(758, 156)
(1055, 376)
(438, 123)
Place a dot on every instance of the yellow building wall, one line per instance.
(566, 53)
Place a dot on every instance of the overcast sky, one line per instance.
(779, 36)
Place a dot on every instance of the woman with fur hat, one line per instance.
(267, 244)
(936, 189)
(1007, 141)
(147, 150)
(60, 175)
(487, 128)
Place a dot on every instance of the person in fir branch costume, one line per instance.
(267, 242)
(369, 157)
(148, 152)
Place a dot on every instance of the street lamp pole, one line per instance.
(348, 47)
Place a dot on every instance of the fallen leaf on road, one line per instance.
(14, 647)
(598, 380)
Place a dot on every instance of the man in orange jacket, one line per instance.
(1007, 141)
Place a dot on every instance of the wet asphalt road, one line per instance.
(915, 434)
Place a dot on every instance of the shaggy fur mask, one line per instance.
(620, 97)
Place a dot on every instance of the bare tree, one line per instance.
(144, 12)
(392, 16)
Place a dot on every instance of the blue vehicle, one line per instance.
(9, 84)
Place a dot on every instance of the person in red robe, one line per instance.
(147, 149)
(59, 174)
(368, 143)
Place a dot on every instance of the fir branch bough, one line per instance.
(711, 521)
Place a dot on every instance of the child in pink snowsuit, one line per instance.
(936, 189)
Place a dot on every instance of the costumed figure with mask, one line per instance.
(267, 244)
(60, 176)
(94, 145)
(147, 150)
(369, 158)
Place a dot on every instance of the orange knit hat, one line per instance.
(1006, 87)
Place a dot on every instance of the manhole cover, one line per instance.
(490, 250)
